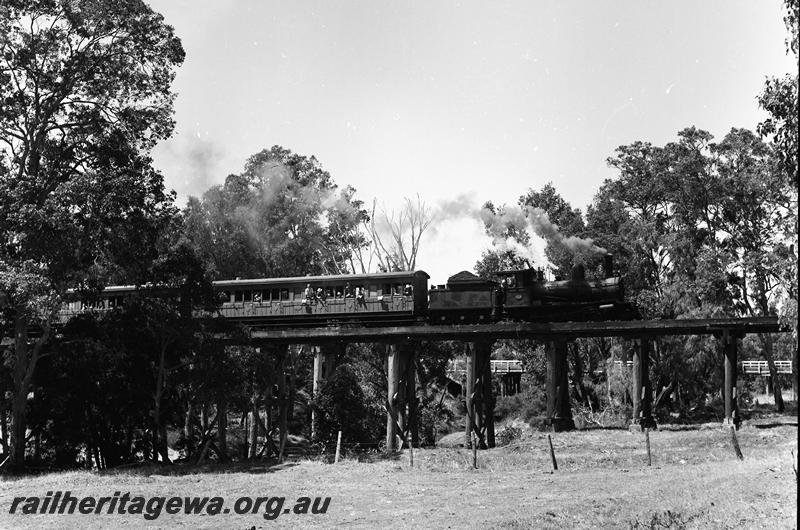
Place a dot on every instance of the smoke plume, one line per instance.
(501, 223)
(541, 225)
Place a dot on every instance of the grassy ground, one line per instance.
(695, 481)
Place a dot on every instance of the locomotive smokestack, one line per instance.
(608, 265)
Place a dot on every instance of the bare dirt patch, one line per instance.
(695, 481)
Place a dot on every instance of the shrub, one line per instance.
(342, 405)
(611, 417)
(432, 420)
(508, 435)
(525, 405)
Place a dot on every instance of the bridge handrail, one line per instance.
(498, 366)
(762, 368)
(748, 367)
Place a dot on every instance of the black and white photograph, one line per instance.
(398, 264)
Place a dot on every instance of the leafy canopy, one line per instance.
(84, 96)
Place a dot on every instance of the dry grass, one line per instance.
(603, 481)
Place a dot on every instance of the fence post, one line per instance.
(552, 453)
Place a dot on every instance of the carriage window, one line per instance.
(284, 294)
(329, 292)
(386, 288)
(238, 296)
(274, 294)
(248, 296)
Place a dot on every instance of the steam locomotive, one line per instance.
(524, 295)
(402, 298)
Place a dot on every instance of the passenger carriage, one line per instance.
(385, 298)
(110, 298)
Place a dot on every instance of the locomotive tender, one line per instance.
(400, 298)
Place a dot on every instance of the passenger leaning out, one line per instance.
(360, 299)
(320, 295)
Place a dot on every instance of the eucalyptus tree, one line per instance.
(283, 215)
(84, 96)
(780, 99)
(699, 230)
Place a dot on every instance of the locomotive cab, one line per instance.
(519, 291)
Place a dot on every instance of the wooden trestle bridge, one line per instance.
(399, 354)
(509, 371)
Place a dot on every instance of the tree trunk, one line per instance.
(291, 381)
(18, 419)
(580, 390)
(188, 430)
(222, 427)
(154, 446)
(25, 359)
(283, 403)
(96, 455)
(204, 418)
(163, 446)
(766, 340)
(4, 430)
(252, 449)
(160, 430)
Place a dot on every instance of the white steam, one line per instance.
(533, 220)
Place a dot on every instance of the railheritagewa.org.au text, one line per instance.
(152, 507)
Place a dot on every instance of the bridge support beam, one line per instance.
(730, 350)
(324, 365)
(510, 383)
(281, 356)
(480, 396)
(401, 398)
(642, 390)
(559, 412)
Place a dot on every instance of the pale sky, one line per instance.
(443, 99)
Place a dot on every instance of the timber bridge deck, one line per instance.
(543, 331)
